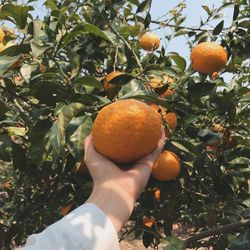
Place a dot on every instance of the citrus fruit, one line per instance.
(157, 194)
(158, 82)
(217, 127)
(208, 57)
(148, 222)
(2, 35)
(214, 75)
(126, 130)
(106, 81)
(168, 117)
(65, 208)
(167, 166)
(149, 41)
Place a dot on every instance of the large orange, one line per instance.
(149, 41)
(106, 81)
(126, 130)
(208, 57)
(167, 166)
(158, 82)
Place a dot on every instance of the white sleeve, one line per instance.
(86, 227)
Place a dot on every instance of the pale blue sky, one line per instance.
(194, 12)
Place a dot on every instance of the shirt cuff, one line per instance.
(86, 227)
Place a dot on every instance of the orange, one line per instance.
(65, 208)
(126, 130)
(2, 35)
(158, 82)
(42, 68)
(148, 222)
(167, 166)
(217, 128)
(214, 75)
(157, 194)
(149, 41)
(208, 57)
(169, 117)
(106, 81)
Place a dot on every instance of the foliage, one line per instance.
(49, 101)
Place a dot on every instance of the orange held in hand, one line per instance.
(149, 41)
(167, 166)
(208, 57)
(126, 130)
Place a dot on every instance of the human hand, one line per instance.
(114, 186)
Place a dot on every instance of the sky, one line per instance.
(194, 12)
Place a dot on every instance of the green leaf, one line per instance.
(144, 6)
(201, 88)
(242, 241)
(218, 28)
(88, 81)
(17, 131)
(37, 49)
(244, 24)
(3, 107)
(39, 141)
(48, 92)
(59, 128)
(224, 6)
(130, 30)
(209, 137)
(206, 8)
(186, 146)
(10, 55)
(180, 61)
(236, 11)
(17, 14)
(74, 59)
(19, 156)
(76, 139)
(83, 28)
(26, 71)
(121, 79)
(172, 243)
(147, 20)
(5, 148)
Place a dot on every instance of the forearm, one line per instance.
(114, 202)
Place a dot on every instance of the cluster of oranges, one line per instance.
(127, 130)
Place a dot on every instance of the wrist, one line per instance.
(114, 202)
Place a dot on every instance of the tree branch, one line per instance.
(179, 26)
(216, 231)
(128, 46)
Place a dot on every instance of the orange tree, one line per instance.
(51, 89)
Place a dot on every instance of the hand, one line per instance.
(116, 190)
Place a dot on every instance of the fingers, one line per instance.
(90, 153)
(150, 158)
(91, 156)
(146, 163)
